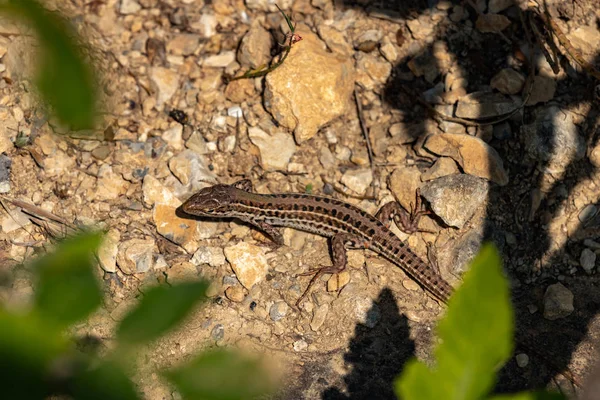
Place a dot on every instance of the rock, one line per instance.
(558, 302)
(155, 192)
(443, 166)
(178, 230)
(319, 317)
(17, 219)
(368, 40)
(20, 58)
(248, 262)
(311, 88)
(110, 185)
(235, 294)
(174, 136)
(338, 281)
(326, 157)
(275, 150)
(240, 90)
(542, 91)
(268, 5)
(388, 50)
(404, 183)
(255, 48)
(463, 251)
(107, 252)
(191, 170)
(421, 28)
(491, 23)
(479, 105)
(278, 310)
(357, 180)
(218, 332)
(183, 44)
(213, 256)
(5, 165)
(502, 131)
(587, 213)
(584, 38)
(220, 60)
(508, 81)
(335, 40)
(474, 155)
(300, 345)
(522, 360)
(554, 139)
(424, 64)
(377, 68)
(136, 255)
(367, 312)
(402, 134)
(496, 6)
(181, 272)
(206, 25)
(129, 7)
(166, 83)
(587, 259)
(455, 198)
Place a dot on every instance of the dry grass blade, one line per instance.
(53, 225)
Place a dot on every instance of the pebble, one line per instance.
(174, 136)
(155, 192)
(367, 312)
(178, 230)
(213, 256)
(554, 139)
(275, 150)
(496, 6)
(319, 316)
(107, 252)
(235, 294)
(358, 180)
(592, 244)
(320, 90)
(587, 259)
(166, 82)
(558, 302)
(235, 111)
(542, 91)
(255, 48)
(218, 332)
(338, 281)
(136, 255)
(478, 105)
(129, 7)
(191, 170)
(110, 186)
(474, 155)
(178, 272)
(300, 345)
(455, 198)
(588, 212)
(404, 183)
(248, 262)
(508, 81)
(502, 131)
(409, 284)
(491, 23)
(522, 360)
(218, 60)
(443, 166)
(5, 165)
(197, 144)
(278, 310)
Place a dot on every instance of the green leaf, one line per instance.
(476, 336)
(106, 381)
(160, 309)
(65, 80)
(28, 347)
(67, 290)
(530, 396)
(220, 375)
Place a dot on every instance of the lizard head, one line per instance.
(212, 201)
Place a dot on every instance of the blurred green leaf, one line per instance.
(220, 375)
(530, 396)
(476, 336)
(67, 290)
(64, 79)
(106, 381)
(28, 348)
(159, 310)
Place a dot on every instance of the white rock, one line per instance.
(248, 262)
(129, 7)
(587, 259)
(213, 256)
(358, 180)
(275, 150)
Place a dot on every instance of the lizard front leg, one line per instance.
(338, 250)
(274, 233)
(407, 221)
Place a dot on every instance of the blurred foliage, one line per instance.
(476, 340)
(65, 80)
(39, 359)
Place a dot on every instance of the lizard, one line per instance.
(343, 223)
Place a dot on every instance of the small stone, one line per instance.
(542, 91)
(129, 7)
(409, 284)
(502, 131)
(110, 186)
(278, 310)
(532, 308)
(522, 360)
(588, 213)
(136, 255)
(491, 23)
(404, 183)
(197, 144)
(174, 136)
(107, 252)
(455, 198)
(443, 166)
(587, 259)
(191, 170)
(235, 111)
(426, 65)
(218, 332)
(155, 192)
(275, 150)
(248, 262)
(5, 165)
(255, 48)
(358, 180)
(319, 316)
(213, 256)
(326, 157)
(235, 294)
(496, 6)
(101, 152)
(479, 105)
(300, 345)
(558, 302)
(388, 50)
(367, 312)
(510, 238)
(338, 281)
(401, 134)
(166, 82)
(219, 60)
(178, 230)
(508, 81)
(179, 272)
(183, 44)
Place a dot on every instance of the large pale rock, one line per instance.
(275, 150)
(310, 88)
(474, 155)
